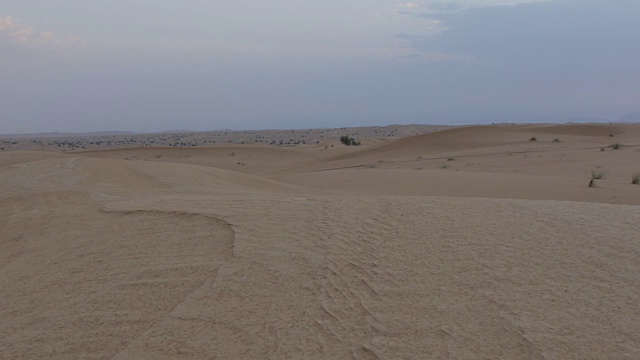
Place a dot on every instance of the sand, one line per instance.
(465, 243)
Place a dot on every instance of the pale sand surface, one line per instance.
(466, 243)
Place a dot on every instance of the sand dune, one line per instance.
(468, 243)
(489, 161)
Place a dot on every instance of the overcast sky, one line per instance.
(152, 65)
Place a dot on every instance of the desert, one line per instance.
(424, 242)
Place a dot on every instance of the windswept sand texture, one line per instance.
(466, 243)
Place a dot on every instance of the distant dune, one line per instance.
(474, 242)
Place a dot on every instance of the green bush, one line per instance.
(349, 141)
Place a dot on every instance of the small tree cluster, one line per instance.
(349, 141)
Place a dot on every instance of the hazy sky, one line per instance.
(150, 65)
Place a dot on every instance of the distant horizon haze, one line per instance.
(142, 132)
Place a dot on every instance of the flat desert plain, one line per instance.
(479, 242)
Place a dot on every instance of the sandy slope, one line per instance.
(490, 161)
(305, 253)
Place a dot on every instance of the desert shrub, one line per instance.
(596, 175)
(349, 141)
(556, 140)
(533, 139)
(615, 146)
(635, 178)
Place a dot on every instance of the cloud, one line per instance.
(416, 53)
(438, 56)
(427, 30)
(409, 37)
(434, 13)
(408, 5)
(435, 7)
(586, 32)
(435, 56)
(14, 32)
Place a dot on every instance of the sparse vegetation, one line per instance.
(596, 175)
(635, 178)
(451, 159)
(556, 140)
(533, 138)
(615, 146)
(349, 141)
